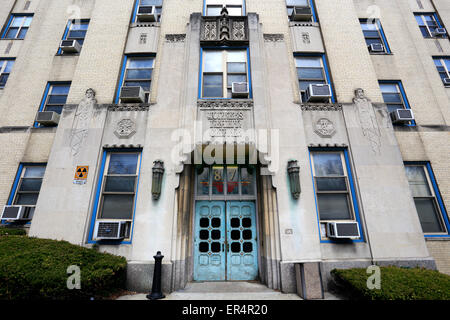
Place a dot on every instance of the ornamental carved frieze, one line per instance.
(180, 37)
(273, 37)
(225, 104)
(120, 107)
(325, 107)
(224, 29)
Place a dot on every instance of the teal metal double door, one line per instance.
(225, 241)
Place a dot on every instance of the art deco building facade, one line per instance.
(266, 140)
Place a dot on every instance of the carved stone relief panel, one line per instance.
(324, 125)
(81, 123)
(325, 128)
(125, 128)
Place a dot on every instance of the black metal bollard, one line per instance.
(156, 286)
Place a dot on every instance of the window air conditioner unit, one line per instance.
(132, 94)
(440, 32)
(301, 14)
(17, 213)
(70, 46)
(376, 47)
(147, 14)
(47, 118)
(239, 89)
(318, 93)
(446, 81)
(343, 230)
(110, 230)
(402, 116)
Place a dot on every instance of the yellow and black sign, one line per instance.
(81, 173)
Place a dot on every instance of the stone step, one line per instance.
(229, 290)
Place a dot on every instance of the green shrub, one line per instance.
(11, 232)
(32, 268)
(396, 284)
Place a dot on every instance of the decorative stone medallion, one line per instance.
(125, 128)
(325, 128)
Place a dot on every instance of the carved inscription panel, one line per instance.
(228, 119)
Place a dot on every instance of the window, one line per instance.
(29, 181)
(138, 73)
(443, 67)
(148, 6)
(119, 186)
(374, 35)
(220, 69)
(214, 7)
(5, 69)
(55, 97)
(17, 26)
(431, 211)
(76, 30)
(310, 70)
(333, 194)
(428, 23)
(394, 97)
(290, 4)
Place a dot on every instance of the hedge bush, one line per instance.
(32, 268)
(396, 284)
(11, 232)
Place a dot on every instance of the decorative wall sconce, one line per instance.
(158, 172)
(294, 178)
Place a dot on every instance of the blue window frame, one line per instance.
(145, 7)
(214, 7)
(443, 67)
(219, 68)
(427, 198)
(312, 69)
(75, 30)
(335, 193)
(54, 98)
(17, 26)
(137, 70)
(394, 96)
(117, 189)
(27, 185)
(374, 35)
(290, 4)
(428, 23)
(6, 65)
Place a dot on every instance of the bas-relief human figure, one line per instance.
(368, 120)
(81, 123)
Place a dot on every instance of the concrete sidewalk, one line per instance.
(225, 291)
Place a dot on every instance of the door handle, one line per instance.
(223, 247)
